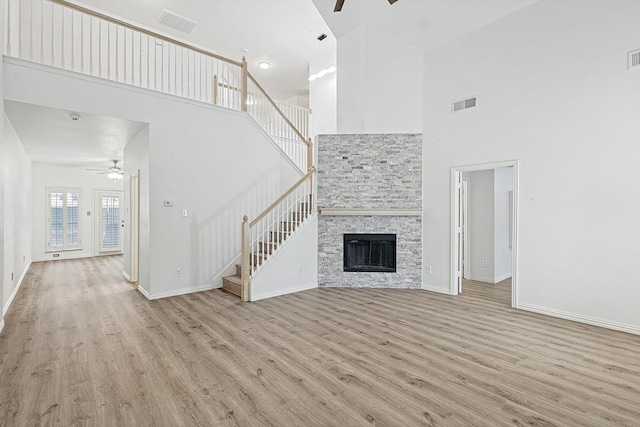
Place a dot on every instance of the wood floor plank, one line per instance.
(82, 347)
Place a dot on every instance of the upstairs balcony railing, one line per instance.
(68, 36)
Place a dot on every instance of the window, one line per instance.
(63, 219)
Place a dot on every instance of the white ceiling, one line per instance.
(50, 135)
(424, 23)
(281, 32)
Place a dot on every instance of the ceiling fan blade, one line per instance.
(339, 4)
(94, 169)
(392, 1)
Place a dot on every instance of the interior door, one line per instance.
(110, 222)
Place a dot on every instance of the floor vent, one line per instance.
(464, 104)
(176, 21)
(634, 59)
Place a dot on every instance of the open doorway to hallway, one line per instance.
(483, 233)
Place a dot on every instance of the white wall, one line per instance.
(46, 175)
(2, 30)
(323, 93)
(480, 225)
(293, 268)
(215, 163)
(16, 212)
(554, 93)
(502, 185)
(379, 83)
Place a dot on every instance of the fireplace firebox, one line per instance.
(370, 252)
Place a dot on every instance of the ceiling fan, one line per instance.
(340, 3)
(114, 172)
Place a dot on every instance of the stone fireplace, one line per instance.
(370, 185)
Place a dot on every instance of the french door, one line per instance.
(109, 221)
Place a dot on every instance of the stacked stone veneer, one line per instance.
(373, 172)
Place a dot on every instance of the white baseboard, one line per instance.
(126, 276)
(144, 292)
(15, 290)
(436, 289)
(1, 325)
(580, 318)
(284, 292)
(183, 291)
(501, 278)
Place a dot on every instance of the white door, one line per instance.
(109, 221)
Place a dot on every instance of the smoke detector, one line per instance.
(75, 116)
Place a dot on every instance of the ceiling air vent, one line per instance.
(176, 21)
(634, 59)
(464, 104)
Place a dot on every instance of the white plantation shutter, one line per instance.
(63, 219)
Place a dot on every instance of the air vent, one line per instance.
(634, 59)
(176, 21)
(464, 104)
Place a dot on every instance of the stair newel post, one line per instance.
(309, 167)
(215, 89)
(245, 83)
(246, 237)
(309, 154)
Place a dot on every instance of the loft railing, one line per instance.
(268, 231)
(69, 36)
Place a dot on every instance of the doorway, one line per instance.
(109, 222)
(462, 257)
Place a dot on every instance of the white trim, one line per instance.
(126, 276)
(63, 255)
(456, 172)
(435, 289)
(15, 290)
(1, 325)
(372, 212)
(581, 319)
(284, 292)
(501, 278)
(177, 292)
(144, 292)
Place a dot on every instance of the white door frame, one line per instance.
(134, 221)
(456, 224)
(465, 229)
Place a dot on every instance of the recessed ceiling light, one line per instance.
(264, 65)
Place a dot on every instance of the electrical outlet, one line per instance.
(178, 272)
(428, 269)
(485, 263)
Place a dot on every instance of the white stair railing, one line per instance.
(74, 38)
(263, 236)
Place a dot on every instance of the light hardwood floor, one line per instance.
(81, 347)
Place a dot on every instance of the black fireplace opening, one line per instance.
(370, 252)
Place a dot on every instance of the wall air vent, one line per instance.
(464, 104)
(176, 21)
(634, 59)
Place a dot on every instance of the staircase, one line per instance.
(263, 244)
(85, 41)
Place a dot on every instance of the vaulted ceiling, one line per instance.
(281, 32)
